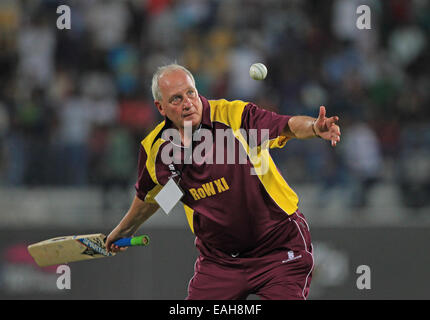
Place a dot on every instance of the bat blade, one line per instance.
(67, 249)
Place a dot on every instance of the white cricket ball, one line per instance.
(258, 71)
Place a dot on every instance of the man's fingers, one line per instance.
(335, 134)
(335, 129)
(111, 247)
(322, 113)
(328, 125)
(115, 248)
(331, 121)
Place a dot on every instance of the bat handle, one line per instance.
(133, 241)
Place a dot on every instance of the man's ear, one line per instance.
(160, 108)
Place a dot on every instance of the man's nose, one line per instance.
(187, 103)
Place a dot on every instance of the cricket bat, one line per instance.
(67, 249)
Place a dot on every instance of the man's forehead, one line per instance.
(174, 80)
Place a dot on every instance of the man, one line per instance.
(250, 235)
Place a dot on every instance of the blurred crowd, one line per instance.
(74, 104)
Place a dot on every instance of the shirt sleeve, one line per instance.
(256, 119)
(144, 186)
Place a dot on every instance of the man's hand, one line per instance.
(138, 213)
(111, 238)
(326, 128)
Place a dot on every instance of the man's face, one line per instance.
(180, 101)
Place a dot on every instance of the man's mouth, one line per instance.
(187, 115)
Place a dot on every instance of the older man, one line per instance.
(251, 237)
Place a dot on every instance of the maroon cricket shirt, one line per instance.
(229, 209)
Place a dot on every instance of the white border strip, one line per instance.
(306, 248)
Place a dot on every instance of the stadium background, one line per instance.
(74, 105)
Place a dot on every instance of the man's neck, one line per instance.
(187, 136)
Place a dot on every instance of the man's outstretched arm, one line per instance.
(304, 127)
(138, 213)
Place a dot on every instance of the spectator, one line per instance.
(36, 45)
(74, 128)
(108, 22)
(363, 158)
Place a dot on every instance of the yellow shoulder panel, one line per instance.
(227, 112)
(151, 149)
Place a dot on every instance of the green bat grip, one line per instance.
(140, 241)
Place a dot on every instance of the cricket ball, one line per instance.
(258, 71)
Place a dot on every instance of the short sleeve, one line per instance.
(255, 119)
(145, 187)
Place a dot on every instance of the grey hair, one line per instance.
(156, 93)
